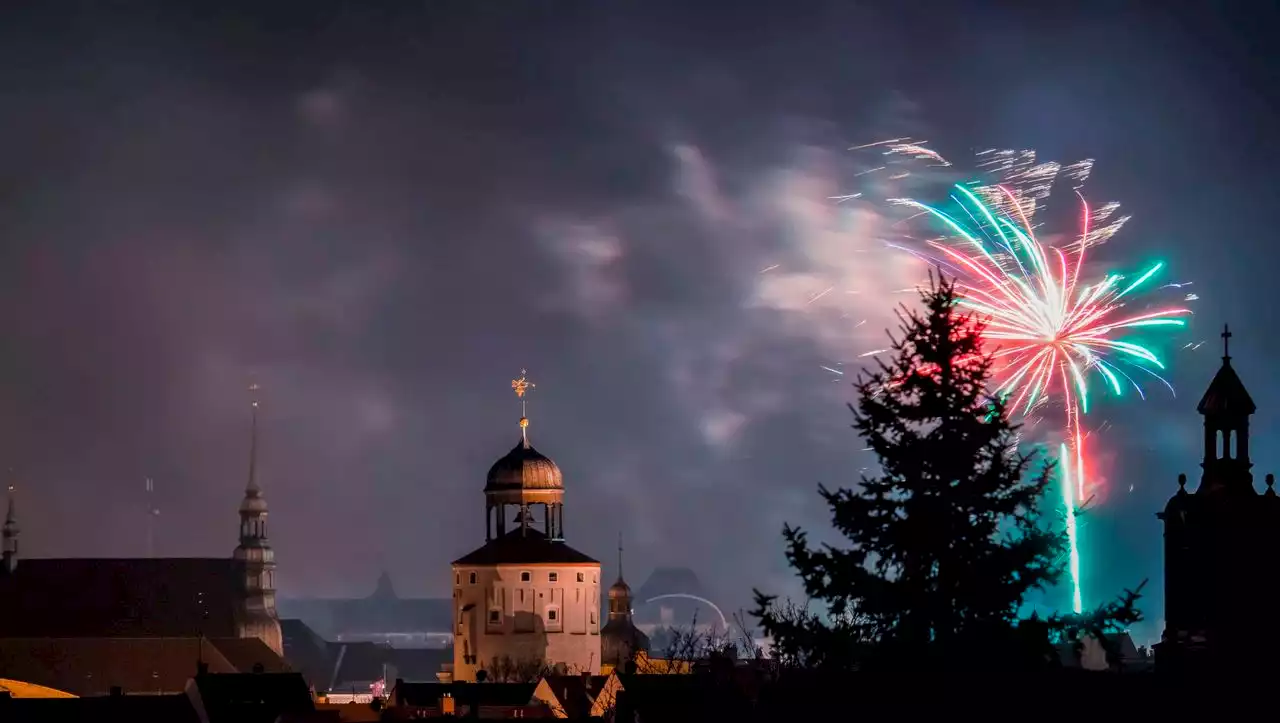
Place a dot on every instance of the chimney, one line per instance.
(622, 709)
(586, 680)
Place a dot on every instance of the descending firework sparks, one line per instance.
(1054, 329)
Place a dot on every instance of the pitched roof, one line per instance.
(573, 694)
(93, 666)
(145, 597)
(428, 695)
(175, 708)
(253, 697)
(523, 546)
(245, 654)
(1226, 395)
(307, 653)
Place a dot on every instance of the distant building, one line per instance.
(525, 598)
(382, 617)
(621, 640)
(231, 597)
(1219, 546)
(674, 597)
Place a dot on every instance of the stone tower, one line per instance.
(254, 551)
(525, 600)
(1219, 544)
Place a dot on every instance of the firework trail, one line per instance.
(1053, 328)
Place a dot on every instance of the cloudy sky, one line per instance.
(383, 215)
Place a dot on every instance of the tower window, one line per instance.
(472, 578)
(582, 577)
(593, 617)
(495, 617)
(526, 576)
(553, 577)
(457, 579)
(552, 614)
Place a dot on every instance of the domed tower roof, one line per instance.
(620, 589)
(524, 468)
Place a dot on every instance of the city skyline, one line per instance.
(382, 215)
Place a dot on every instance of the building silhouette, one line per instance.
(229, 597)
(1218, 546)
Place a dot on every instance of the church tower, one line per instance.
(525, 600)
(9, 534)
(260, 620)
(1219, 542)
(621, 640)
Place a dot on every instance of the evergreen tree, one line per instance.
(946, 541)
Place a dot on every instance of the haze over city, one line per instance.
(381, 215)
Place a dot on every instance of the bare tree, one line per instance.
(525, 670)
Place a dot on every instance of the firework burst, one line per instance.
(1054, 329)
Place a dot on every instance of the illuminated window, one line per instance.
(582, 577)
(526, 576)
(472, 578)
(553, 577)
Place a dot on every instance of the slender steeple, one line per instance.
(620, 592)
(1226, 407)
(252, 486)
(10, 535)
(255, 551)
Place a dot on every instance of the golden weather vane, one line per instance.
(521, 387)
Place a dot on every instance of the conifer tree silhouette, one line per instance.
(946, 541)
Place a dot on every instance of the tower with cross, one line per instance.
(525, 597)
(1218, 542)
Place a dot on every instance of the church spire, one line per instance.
(252, 486)
(253, 508)
(10, 535)
(1226, 407)
(620, 556)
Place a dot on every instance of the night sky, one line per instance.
(382, 215)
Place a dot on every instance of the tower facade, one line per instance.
(525, 601)
(1218, 544)
(259, 614)
(9, 538)
(621, 640)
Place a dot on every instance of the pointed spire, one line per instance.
(521, 387)
(1226, 397)
(252, 486)
(9, 548)
(619, 555)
